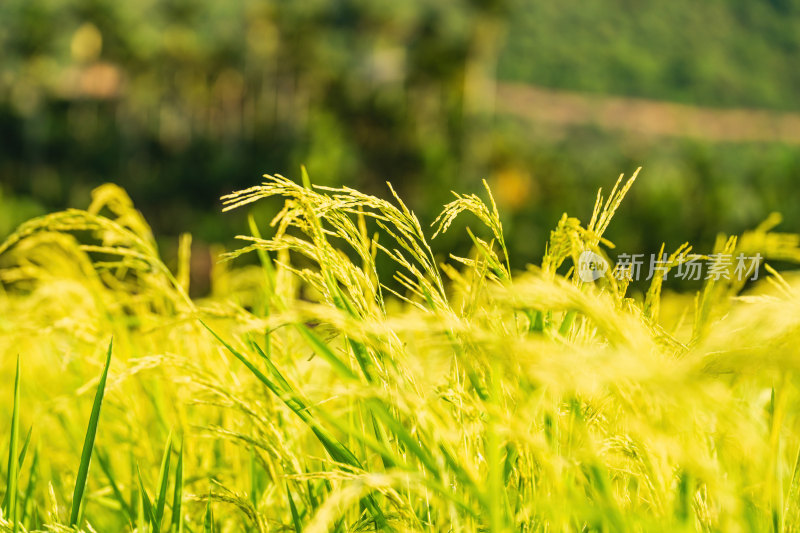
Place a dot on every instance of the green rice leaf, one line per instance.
(88, 444)
(163, 481)
(177, 498)
(298, 526)
(147, 506)
(10, 508)
(105, 466)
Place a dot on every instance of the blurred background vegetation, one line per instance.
(181, 101)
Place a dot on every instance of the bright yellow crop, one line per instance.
(309, 394)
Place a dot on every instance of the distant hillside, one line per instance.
(651, 118)
(725, 53)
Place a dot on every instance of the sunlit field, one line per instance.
(312, 391)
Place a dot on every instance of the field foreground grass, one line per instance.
(306, 395)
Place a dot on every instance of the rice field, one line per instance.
(310, 392)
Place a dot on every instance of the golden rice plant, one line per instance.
(309, 392)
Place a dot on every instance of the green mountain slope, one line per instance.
(719, 53)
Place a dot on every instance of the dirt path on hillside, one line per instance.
(646, 117)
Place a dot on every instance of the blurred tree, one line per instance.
(180, 102)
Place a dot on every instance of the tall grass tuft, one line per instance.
(462, 393)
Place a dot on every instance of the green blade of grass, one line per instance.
(304, 177)
(683, 508)
(13, 464)
(163, 481)
(147, 506)
(25, 447)
(338, 451)
(263, 256)
(566, 324)
(401, 433)
(383, 439)
(324, 351)
(389, 457)
(33, 476)
(141, 520)
(792, 511)
(278, 385)
(88, 444)
(208, 520)
(254, 485)
(298, 527)
(19, 465)
(381, 447)
(177, 497)
(102, 460)
(311, 497)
